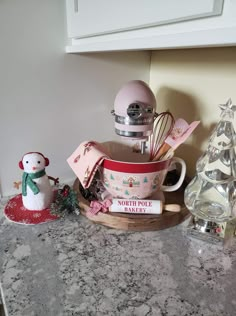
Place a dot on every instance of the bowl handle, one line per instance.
(171, 188)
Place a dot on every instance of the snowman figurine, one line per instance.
(37, 193)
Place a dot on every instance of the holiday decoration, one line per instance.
(180, 132)
(32, 206)
(66, 202)
(86, 160)
(211, 195)
(37, 193)
(16, 212)
(128, 168)
(99, 206)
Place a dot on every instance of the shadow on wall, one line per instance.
(182, 105)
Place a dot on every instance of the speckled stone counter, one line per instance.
(73, 267)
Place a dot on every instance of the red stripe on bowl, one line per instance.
(130, 167)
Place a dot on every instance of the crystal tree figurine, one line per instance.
(212, 192)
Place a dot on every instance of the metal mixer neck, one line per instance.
(145, 120)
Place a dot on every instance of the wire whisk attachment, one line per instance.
(162, 127)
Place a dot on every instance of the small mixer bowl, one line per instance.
(130, 175)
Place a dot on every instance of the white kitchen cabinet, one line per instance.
(108, 25)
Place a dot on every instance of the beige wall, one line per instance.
(191, 83)
(51, 101)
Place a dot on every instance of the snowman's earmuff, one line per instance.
(46, 161)
(33, 152)
(21, 165)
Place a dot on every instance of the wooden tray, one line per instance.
(137, 222)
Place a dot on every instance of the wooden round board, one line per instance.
(137, 222)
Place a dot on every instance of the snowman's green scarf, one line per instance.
(27, 179)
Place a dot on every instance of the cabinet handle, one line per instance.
(76, 6)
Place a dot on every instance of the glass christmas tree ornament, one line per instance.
(211, 195)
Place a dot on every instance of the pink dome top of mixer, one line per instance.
(134, 110)
(132, 92)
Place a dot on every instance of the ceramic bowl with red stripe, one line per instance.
(125, 179)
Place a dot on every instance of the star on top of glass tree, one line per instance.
(228, 106)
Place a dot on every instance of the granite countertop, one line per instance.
(74, 267)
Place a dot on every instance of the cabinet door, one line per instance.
(88, 17)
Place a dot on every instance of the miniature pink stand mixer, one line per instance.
(129, 173)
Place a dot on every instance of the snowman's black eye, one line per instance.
(27, 161)
(39, 161)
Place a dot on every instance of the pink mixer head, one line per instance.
(134, 110)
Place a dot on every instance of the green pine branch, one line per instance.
(66, 202)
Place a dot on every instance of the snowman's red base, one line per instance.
(16, 212)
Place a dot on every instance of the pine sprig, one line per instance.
(66, 202)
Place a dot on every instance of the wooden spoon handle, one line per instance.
(172, 208)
